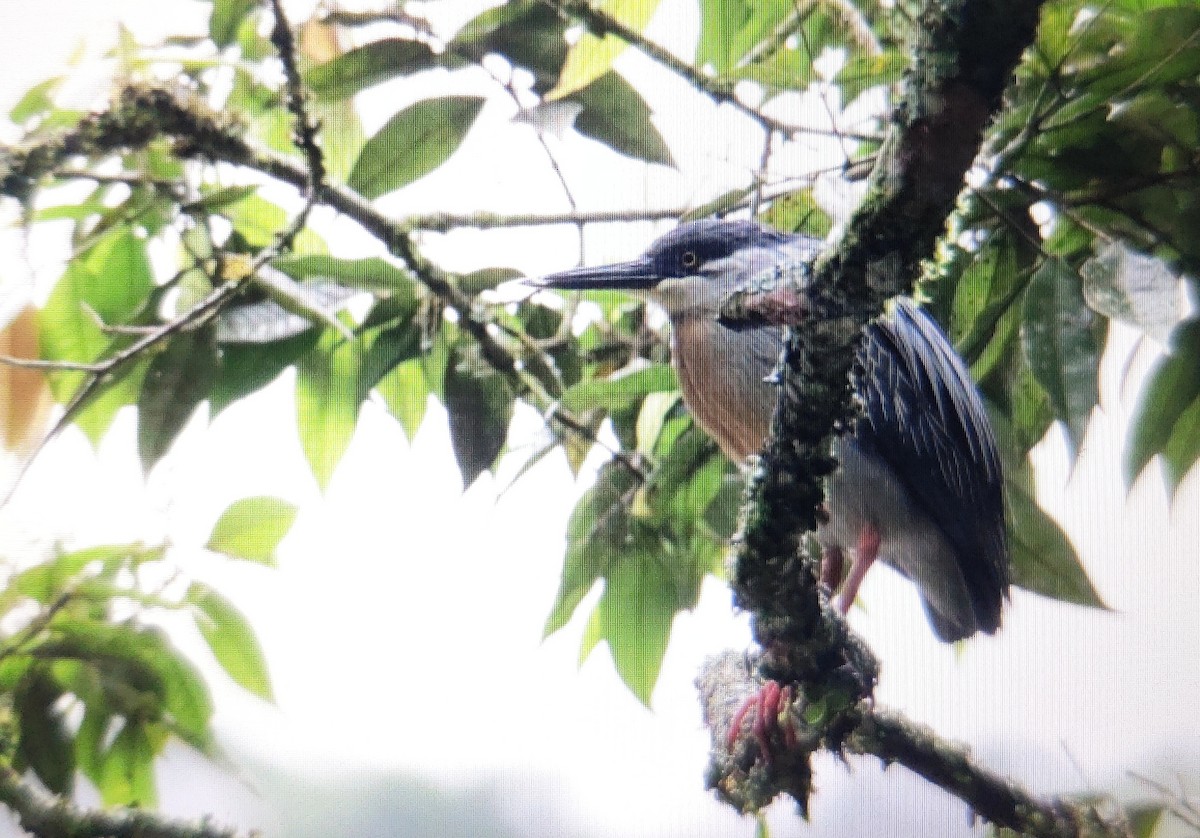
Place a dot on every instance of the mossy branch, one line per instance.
(965, 55)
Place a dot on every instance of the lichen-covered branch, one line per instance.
(966, 53)
(860, 728)
(48, 816)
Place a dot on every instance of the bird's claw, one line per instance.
(772, 714)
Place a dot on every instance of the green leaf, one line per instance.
(615, 114)
(406, 394)
(252, 528)
(342, 135)
(45, 743)
(247, 368)
(413, 143)
(730, 28)
(112, 281)
(177, 380)
(232, 640)
(595, 533)
(591, 57)
(1043, 559)
(215, 199)
(1161, 49)
(67, 572)
(634, 615)
(368, 65)
(798, 212)
(327, 402)
(621, 390)
(227, 16)
(1167, 411)
(863, 72)
(126, 769)
(38, 99)
(480, 405)
(1060, 345)
(370, 274)
(527, 33)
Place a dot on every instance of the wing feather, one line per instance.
(925, 418)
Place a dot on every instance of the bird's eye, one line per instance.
(689, 259)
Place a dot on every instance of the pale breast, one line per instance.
(721, 375)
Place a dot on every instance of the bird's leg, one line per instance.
(770, 708)
(864, 557)
(833, 562)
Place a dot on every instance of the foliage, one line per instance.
(1098, 143)
(89, 678)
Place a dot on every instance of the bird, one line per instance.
(919, 484)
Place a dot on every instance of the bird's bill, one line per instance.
(638, 274)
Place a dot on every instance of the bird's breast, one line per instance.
(721, 375)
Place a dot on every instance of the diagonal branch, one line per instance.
(47, 815)
(966, 52)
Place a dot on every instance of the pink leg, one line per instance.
(864, 557)
(770, 707)
(833, 562)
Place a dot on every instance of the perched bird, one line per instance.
(919, 481)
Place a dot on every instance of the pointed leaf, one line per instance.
(406, 394)
(45, 743)
(247, 368)
(328, 397)
(1060, 345)
(1043, 558)
(252, 528)
(368, 65)
(635, 615)
(620, 390)
(177, 380)
(227, 16)
(369, 274)
(527, 33)
(591, 57)
(112, 282)
(126, 770)
(480, 405)
(614, 113)
(232, 640)
(1171, 390)
(413, 143)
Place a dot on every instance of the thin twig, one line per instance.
(601, 23)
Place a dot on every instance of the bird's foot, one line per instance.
(770, 714)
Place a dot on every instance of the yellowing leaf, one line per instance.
(24, 394)
(592, 57)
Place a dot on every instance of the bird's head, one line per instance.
(690, 270)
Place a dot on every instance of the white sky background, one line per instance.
(403, 626)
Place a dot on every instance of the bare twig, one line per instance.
(1178, 803)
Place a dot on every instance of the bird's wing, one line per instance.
(925, 418)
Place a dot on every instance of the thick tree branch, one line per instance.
(966, 53)
(863, 729)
